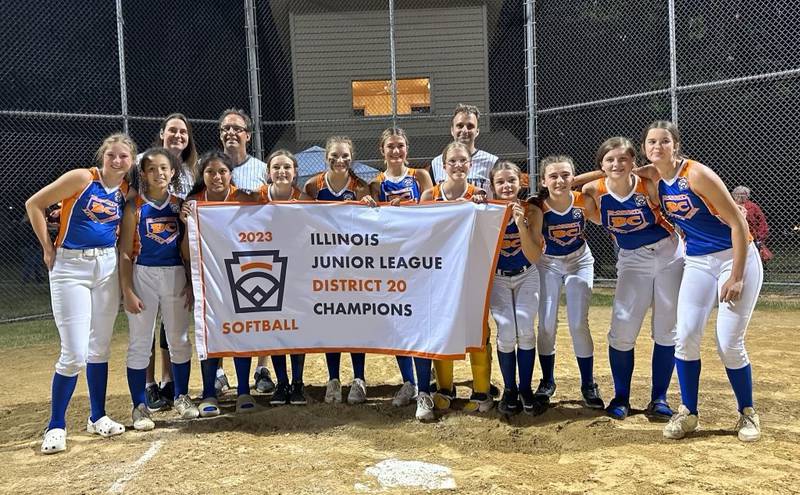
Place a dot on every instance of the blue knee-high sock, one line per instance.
(63, 387)
(359, 360)
(621, 371)
(298, 363)
(242, 365)
(406, 365)
(548, 364)
(508, 368)
(742, 383)
(423, 367)
(526, 359)
(586, 367)
(136, 383)
(689, 380)
(180, 377)
(333, 360)
(208, 368)
(663, 364)
(279, 365)
(97, 379)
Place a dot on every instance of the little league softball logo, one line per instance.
(256, 279)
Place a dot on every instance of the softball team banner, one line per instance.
(310, 277)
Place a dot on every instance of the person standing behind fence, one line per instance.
(722, 269)
(84, 282)
(340, 183)
(249, 175)
(649, 269)
(464, 129)
(282, 187)
(567, 261)
(153, 278)
(398, 184)
(456, 188)
(175, 135)
(756, 220)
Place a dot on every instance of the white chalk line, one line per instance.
(134, 468)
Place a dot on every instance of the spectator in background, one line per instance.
(756, 220)
(235, 130)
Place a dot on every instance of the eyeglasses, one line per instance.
(235, 128)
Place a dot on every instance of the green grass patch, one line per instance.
(41, 332)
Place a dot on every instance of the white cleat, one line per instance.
(680, 424)
(141, 418)
(405, 395)
(358, 392)
(333, 391)
(748, 426)
(425, 407)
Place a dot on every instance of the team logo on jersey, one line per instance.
(102, 210)
(256, 279)
(564, 234)
(639, 199)
(577, 213)
(625, 221)
(163, 230)
(348, 196)
(174, 207)
(407, 182)
(683, 183)
(511, 245)
(404, 194)
(679, 206)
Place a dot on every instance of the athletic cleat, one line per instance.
(333, 391)
(280, 396)
(405, 395)
(209, 407)
(494, 391)
(185, 407)
(591, 396)
(547, 389)
(167, 393)
(659, 410)
(510, 403)
(264, 383)
(532, 404)
(479, 402)
(680, 424)
(105, 427)
(54, 441)
(425, 407)
(618, 408)
(358, 392)
(221, 384)
(748, 426)
(152, 398)
(297, 394)
(141, 418)
(443, 398)
(245, 404)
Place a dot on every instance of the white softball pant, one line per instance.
(514, 302)
(703, 277)
(575, 271)
(649, 276)
(159, 286)
(84, 292)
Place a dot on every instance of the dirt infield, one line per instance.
(326, 449)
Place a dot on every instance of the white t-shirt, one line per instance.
(482, 163)
(250, 175)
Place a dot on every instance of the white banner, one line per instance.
(310, 277)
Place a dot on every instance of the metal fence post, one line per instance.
(252, 73)
(530, 83)
(392, 63)
(673, 64)
(123, 88)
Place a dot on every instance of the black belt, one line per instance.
(511, 273)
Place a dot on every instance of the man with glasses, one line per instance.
(235, 130)
(464, 129)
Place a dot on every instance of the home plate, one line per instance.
(394, 473)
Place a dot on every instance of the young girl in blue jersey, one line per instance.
(282, 166)
(397, 184)
(84, 282)
(152, 277)
(213, 183)
(457, 163)
(649, 269)
(340, 183)
(515, 293)
(722, 269)
(567, 261)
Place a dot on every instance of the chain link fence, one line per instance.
(307, 69)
